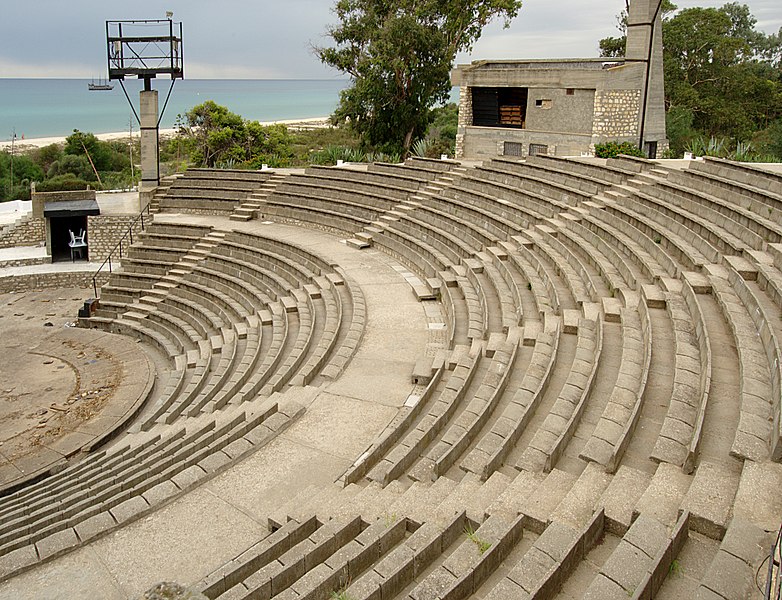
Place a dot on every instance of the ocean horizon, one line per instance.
(39, 108)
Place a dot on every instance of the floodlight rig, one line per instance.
(146, 49)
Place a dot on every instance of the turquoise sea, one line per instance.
(55, 107)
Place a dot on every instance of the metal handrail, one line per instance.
(774, 576)
(118, 245)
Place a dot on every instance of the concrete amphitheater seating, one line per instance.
(606, 405)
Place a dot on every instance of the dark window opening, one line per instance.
(512, 149)
(499, 107)
(570, 92)
(535, 149)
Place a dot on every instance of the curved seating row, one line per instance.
(112, 488)
(211, 191)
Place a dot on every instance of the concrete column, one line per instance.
(645, 47)
(150, 163)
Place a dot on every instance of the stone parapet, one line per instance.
(28, 231)
(41, 198)
(42, 281)
(106, 231)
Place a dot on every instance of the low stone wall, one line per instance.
(26, 262)
(30, 231)
(42, 281)
(106, 231)
(41, 198)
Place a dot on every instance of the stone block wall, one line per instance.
(104, 232)
(59, 279)
(617, 114)
(41, 198)
(28, 231)
(465, 118)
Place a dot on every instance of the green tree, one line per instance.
(722, 75)
(25, 171)
(714, 68)
(216, 136)
(399, 56)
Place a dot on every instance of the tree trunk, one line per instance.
(407, 143)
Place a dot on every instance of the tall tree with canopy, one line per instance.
(722, 75)
(399, 55)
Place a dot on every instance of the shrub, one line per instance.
(614, 149)
(60, 183)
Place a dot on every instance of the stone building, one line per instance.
(565, 106)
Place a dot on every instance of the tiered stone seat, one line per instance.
(648, 260)
(755, 182)
(549, 441)
(396, 185)
(113, 488)
(493, 447)
(474, 487)
(687, 249)
(402, 449)
(415, 169)
(465, 427)
(680, 434)
(551, 169)
(337, 198)
(609, 173)
(758, 432)
(613, 432)
(137, 276)
(211, 191)
(739, 226)
(540, 182)
(576, 277)
(724, 235)
(613, 267)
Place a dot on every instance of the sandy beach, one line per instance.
(22, 145)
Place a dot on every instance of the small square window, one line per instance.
(570, 92)
(536, 149)
(512, 149)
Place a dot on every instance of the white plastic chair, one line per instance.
(77, 243)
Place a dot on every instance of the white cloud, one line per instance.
(204, 70)
(259, 39)
(17, 69)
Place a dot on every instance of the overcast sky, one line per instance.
(232, 39)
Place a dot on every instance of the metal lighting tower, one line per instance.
(146, 49)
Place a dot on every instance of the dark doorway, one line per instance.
(650, 149)
(499, 107)
(60, 229)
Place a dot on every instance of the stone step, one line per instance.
(665, 494)
(357, 243)
(578, 506)
(733, 570)
(620, 497)
(710, 499)
(473, 496)
(539, 505)
(758, 499)
(522, 486)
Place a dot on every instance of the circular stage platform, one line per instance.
(63, 390)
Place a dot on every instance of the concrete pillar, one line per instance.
(645, 46)
(150, 163)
